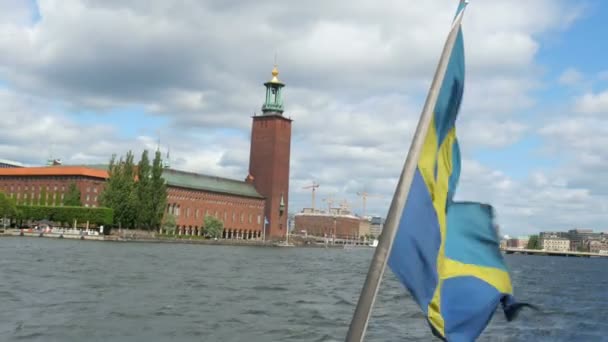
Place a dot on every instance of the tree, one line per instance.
(169, 224)
(158, 191)
(533, 242)
(120, 191)
(213, 226)
(8, 208)
(72, 197)
(143, 193)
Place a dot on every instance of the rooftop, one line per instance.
(199, 181)
(173, 177)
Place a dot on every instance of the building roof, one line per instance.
(182, 179)
(199, 181)
(54, 171)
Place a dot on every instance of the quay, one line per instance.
(552, 253)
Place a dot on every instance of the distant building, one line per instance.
(554, 242)
(503, 243)
(520, 242)
(376, 225)
(4, 163)
(338, 223)
(580, 238)
(599, 247)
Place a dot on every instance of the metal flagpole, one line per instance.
(358, 325)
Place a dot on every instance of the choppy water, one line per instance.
(60, 290)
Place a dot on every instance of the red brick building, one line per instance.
(243, 206)
(333, 225)
(269, 157)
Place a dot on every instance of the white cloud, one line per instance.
(593, 103)
(571, 77)
(356, 75)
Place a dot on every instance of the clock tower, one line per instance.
(269, 158)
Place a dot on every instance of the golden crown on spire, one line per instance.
(275, 73)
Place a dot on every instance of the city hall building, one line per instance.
(252, 208)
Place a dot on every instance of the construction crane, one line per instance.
(364, 195)
(344, 205)
(314, 187)
(330, 202)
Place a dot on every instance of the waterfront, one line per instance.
(61, 290)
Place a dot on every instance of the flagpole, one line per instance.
(358, 325)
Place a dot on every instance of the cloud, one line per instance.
(571, 77)
(593, 103)
(356, 74)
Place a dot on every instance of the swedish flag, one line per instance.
(447, 253)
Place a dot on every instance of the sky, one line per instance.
(81, 80)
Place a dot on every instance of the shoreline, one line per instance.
(114, 238)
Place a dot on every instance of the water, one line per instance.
(61, 290)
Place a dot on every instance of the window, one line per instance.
(196, 213)
(250, 218)
(88, 189)
(233, 216)
(55, 188)
(63, 188)
(187, 212)
(95, 199)
(242, 217)
(88, 198)
(95, 190)
(259, 219)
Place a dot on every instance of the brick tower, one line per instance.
(269, 158)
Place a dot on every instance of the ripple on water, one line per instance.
(140, 292)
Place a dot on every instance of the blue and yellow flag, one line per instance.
(447, 253)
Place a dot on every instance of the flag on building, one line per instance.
(447, 253)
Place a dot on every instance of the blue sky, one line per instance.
(94, 78)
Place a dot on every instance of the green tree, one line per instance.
(213, 226)
(158, 192)
(143, 193)
(119, 192)
(72, 197)
(169, 223)
(533, 242)
(8, 208)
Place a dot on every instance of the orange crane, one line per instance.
(314, 187)
(364, 195)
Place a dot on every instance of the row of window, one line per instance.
(176, 210)
(48, 188)
(49, 201)
(48, 196)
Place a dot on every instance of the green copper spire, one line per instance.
(274, 101)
